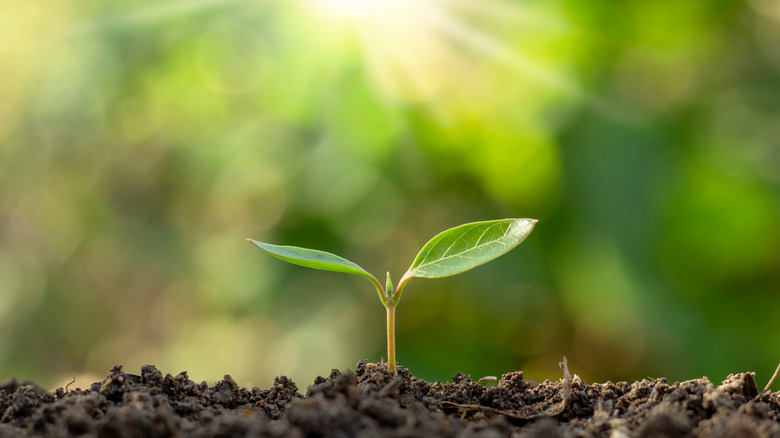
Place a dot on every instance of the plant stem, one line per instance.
(391, 338)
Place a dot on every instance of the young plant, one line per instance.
(450, 252)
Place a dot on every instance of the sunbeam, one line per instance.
(417, 51)
(460, 31)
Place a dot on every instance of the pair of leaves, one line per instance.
(450, 252)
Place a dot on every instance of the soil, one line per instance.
(372, 402)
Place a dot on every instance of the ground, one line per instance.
(372, 402)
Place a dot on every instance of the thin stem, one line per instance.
(774, 376)
(391, 338)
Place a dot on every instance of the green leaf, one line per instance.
(468, 246)
(312, 258)
(316, 259)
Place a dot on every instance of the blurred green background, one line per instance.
(142, 142)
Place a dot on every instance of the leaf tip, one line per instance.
(533, 225)
(524, 226)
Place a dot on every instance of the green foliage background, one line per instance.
(142, 142)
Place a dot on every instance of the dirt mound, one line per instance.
(371, 402)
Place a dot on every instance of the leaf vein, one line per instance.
(439, 261)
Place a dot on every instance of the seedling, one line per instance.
(450, 252)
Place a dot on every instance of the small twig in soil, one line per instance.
(491, 378)
(566, 376)
(566, 391)
(554, 411)
(70, 383)
(769, 384)
(463, 409)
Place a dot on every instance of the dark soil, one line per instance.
(371, 402)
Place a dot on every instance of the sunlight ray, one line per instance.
(402, 51)
(458, 30)
(498, 11)
(413, 47)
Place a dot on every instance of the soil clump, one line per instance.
(372, 402)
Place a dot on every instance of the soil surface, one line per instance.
(371, 402)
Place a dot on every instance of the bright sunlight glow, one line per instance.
(423, 50)
(349, 8)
